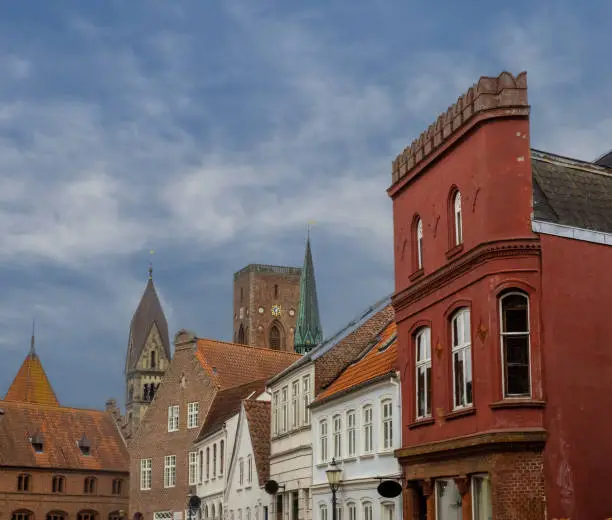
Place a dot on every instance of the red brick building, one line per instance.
(56, 462)
(503, 290)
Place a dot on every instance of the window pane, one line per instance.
(517, 349)
(459, 381)
(428, 374)
(468, 375)
(517, 380)
(514, 312)
(482, 498)
(421, 391)
(448, 500)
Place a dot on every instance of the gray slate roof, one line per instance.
(571, 192)
(149, 311)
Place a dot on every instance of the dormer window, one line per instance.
(457, 218)
(37, 442)
(84, 445)
(419, 243)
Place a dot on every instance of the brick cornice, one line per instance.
(449, 272)
(507, 440)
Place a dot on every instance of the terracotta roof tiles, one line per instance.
(31, 384)
(258, 417)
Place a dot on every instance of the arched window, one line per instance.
(221, 453)
(323, 457)
(212, 511)
(206, 511)
(207, 463)
(220, 509)
(87, 515)
(22, 514)
(241, 335)
(419, 243)
(131, 392)
(457, 218)
(352, 511)
(514, 311)
(323, 512)
(423, 373)
(152, 359)
(462, 358)
(115, 515)
(367, 510)
(56, 515)
(275, 337)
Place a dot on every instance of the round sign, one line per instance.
(389, 489)
(194, 502)
(271, 487)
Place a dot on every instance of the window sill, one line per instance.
(385, 453)
(421, 422)
(517, 403)
(322, 464)
(416, 275)
(281, 435)
(454, 251)
(350, 459)
(247, 487)
(367, 456)
(460, 412)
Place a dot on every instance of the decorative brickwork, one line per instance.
(505, 92)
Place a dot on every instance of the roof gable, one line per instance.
(31, 384)
(258, 419)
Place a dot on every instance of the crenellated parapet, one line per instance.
(505, 95)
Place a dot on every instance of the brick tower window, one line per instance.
(58, 484)
(241, 335)
(514, 310)
(418, 243)
(275, 337)
(24, 482)
(22, 514)
(87, 515)
(89, 486)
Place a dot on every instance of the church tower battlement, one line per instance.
(148, 355)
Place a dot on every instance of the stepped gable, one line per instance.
(31, 384)
(148, 312)
(60, 429)
(231, 364)
(379, 359)
(226, 403)
(258, 417)
(505, 95)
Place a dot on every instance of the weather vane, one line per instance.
(151, 253)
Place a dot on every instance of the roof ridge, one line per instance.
(540, 155)
(267, 349)
(54, 406)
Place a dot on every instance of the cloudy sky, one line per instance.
(212, 131)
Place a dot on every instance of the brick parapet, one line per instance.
(489, 95)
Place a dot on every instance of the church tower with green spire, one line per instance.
(308, 331)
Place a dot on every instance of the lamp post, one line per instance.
(333, 478)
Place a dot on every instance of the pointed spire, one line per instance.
(32, 340)
(308, 331)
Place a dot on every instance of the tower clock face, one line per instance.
(276, 310)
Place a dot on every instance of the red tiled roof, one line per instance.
(31, 384)
(258, 417)
(372, 365)
(230, 364)
(227, 403)
(61, 428)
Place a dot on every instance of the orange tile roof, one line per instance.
(230, 364)
(61, 428)
(31, 384)
(370, 366)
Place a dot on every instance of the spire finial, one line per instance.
(151, 252)
(32, 341)
(310, 223)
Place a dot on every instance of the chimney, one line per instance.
(184, 340)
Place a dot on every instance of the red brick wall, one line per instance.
(40, 500)
(577, 332)
(154, 441)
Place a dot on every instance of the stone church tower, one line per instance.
(148, 355)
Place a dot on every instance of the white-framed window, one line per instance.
(367, 429)
(338, 511)
(351, 434)
(193, 467)
(241, 472)
(249, 469)
(173, 418)
(169, 471)
(337, 423)
(448, 500)
(458, 221)
(200, 465)
(306, 398)
(514, 311)
(221, 456)
(388, 511)
(220, 509)
(248, 513)
(322, 511)
(193, 410)
(352, 511)
(323, 440)
(284, 408)
(386, 407)
(207, 462)
(206, 516)
(462, 359)
(423, 373)
(214, 468)
(213, 511)
(419, 243)
(295, 404)
(275, 418)
(366, 507)
(145, 474)
(482, 508)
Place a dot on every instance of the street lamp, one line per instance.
(333, 478)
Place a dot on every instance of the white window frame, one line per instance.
(221, 456)
(146, 473)
(385, 507)
(351, 508)
(241, 472)
(249, 469)
(193, 468)
(193, 411)
(386, 419)
(275, 410)
(323, 437)
(473, 479)
(214, 460)
(170, 471)
(462, 348)
(295, 404)
(337, 436)
(351, 433)
(173, 418)
(425, 363)
(322, 511)
(200, 465)
(368, 428)
(458, 218)
(339, 510)
(516, 334)
(284, 408)
(367, 510)
(306, 398)
(419, 243)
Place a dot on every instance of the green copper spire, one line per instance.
(308, 331)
